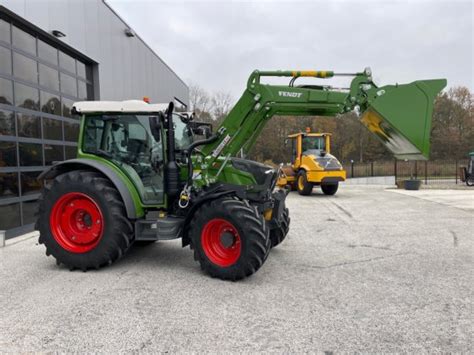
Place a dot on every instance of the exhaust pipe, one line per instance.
(172, 183)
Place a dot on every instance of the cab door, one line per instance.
(126, 140)
(296, 152)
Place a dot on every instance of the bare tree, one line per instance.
(221, 104)
(200, 102)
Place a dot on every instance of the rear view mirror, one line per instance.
(155, 128)
(201, 128)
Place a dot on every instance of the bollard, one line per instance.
(2, 239)
(456, 168)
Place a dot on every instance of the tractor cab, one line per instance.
(132, 138)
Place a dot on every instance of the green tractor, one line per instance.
(140, 175)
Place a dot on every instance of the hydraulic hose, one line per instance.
(189, 151)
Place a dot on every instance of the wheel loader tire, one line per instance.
(303, 186)
(277, 235)
(82, 221)
(329, 189)
(230, 238)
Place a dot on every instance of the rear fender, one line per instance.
(132, 207)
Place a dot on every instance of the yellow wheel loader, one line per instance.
(312, 164)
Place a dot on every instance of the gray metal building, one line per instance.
(53, 53)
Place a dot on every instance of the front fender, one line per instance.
(132, 206)
(308, 163)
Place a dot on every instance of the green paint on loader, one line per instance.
(140, 175)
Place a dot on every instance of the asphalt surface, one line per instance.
(366, 270)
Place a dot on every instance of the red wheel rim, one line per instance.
(221, 242)
(76, 222)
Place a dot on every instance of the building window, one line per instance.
(7, 123)
(50, 103)
(66, 62)
(71, 131)
(25, 68)
(71, 152)
(24, 41)
(82, 90)
(53, 153)
(29, 183)
(31, 154)
(47, 52)
(4, 31)
(6, 92)
(67, 106)
(68, 85)
(7, 154)
(52, 129)
(81, 70)
(28, 125)
(5, 61)
(9, 185)
(49, 77)
(39, 82)
(26, 97)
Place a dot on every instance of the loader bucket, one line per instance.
(400, 115)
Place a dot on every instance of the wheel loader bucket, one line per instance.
(400, 115)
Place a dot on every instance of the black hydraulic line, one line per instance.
(189, 151)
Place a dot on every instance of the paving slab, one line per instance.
(463, 199)
(366, 270)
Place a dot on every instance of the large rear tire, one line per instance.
(277, 235)
(303, 186)
(82, 221)
(229, 238)
(330, 189)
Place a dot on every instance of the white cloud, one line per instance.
(216, 44)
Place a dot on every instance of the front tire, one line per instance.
(330, 189)
(470, 180)
(303, 186)
(82, 221)
(277, 235)
(230, 239)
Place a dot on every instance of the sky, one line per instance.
(217, 44)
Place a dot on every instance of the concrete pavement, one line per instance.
(366, 270)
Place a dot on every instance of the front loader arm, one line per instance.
(400, 115)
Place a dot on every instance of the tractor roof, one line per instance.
(129, 106)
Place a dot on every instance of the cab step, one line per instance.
(164, 228)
